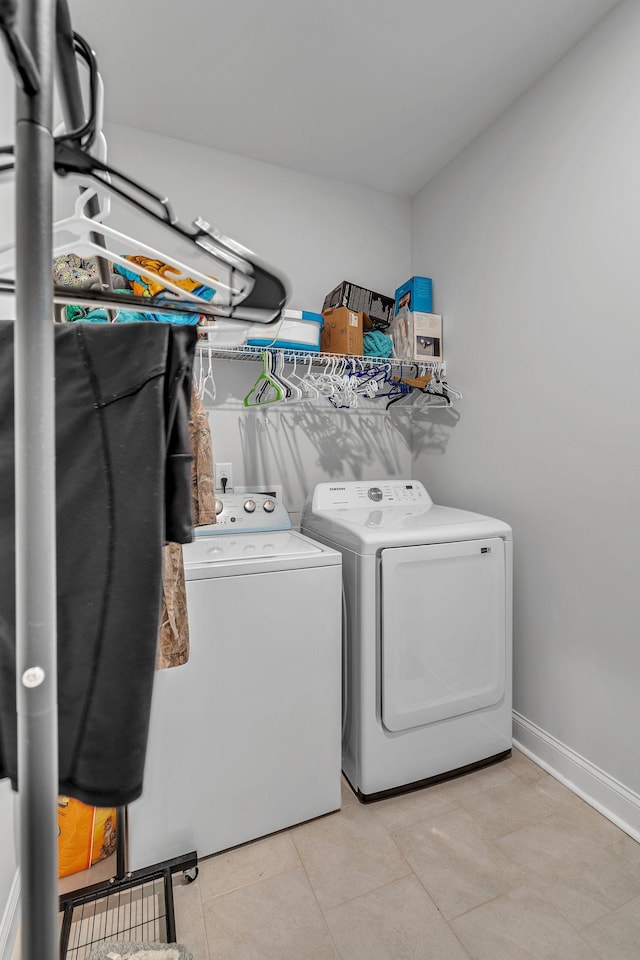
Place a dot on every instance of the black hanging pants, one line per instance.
(123, 488)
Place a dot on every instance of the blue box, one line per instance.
(416, 294)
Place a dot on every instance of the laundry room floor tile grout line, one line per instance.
(315, 897)
(537, 899)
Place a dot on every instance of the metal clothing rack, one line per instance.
(398, 377)
(35, 536)
(30, 31)
(315, 358)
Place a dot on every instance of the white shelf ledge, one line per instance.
(244, 352)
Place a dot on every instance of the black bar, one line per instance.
(170, 919)
(65, 930)
(429, 781)
(155, 872)
(121, 842)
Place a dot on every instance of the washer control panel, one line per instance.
(246, 513)
(382, 493)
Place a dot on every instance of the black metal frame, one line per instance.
(111, 891)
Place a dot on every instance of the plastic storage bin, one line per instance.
(297, 330)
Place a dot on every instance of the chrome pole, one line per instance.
(35, 533)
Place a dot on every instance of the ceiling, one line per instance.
(377, 93)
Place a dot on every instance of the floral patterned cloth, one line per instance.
(203, 497)
(173, 636)
(72, 271)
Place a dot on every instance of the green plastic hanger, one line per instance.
(267, 388)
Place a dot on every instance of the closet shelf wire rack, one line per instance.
(436, 368)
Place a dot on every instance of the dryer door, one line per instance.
(443, 630)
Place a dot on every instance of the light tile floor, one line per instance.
(502, 864)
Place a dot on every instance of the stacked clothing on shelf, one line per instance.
(72, 271)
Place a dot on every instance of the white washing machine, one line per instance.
(244, 738)
(427, 649)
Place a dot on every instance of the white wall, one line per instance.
(532, 238)
(319, 232)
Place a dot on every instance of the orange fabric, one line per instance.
(147, 288)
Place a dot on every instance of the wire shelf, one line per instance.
(135, 907)
(419, 368)
(136, 913)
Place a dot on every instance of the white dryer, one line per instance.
(244, 738)
(427, 635)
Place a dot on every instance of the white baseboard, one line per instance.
(597, 788)
(10, 920)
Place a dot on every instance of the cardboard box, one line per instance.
(342, 332)
(378, 307)
(416, 294)
(417, 336)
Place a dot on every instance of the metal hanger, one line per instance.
(78, 234)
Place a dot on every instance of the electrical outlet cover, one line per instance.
(224, 470)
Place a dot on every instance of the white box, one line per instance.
(417, 336)
(295, 330)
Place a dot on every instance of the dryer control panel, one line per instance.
(379, 493)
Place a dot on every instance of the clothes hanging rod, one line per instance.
(302, 356)
(104, 299)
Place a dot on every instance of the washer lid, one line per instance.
(232, 554)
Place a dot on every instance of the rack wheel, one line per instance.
(188, 876)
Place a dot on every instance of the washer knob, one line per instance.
(249, 506)
(219, 506)
(269, 506)
(375, 494)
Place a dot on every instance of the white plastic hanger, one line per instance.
(292, 390)
(75, 234)
(245, 288)
(206, 383)
(306, 384)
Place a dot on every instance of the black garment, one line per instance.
(123, 459)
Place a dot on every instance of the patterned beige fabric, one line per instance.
(204, 502)
(173, 636)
